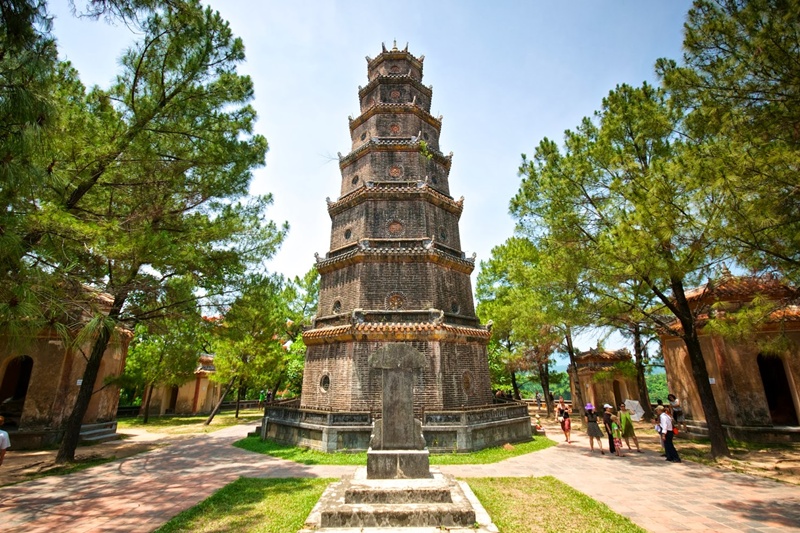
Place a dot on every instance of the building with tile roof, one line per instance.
(755, 378)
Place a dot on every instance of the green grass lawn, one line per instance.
(185, 425)
(307, 456)
(253, 505)
(516, 505)
(528, 504)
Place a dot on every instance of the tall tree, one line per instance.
(739, 80)
(156, 177)
(627, 193)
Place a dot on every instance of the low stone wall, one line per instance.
(445, 431)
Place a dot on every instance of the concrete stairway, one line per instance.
(97, 433)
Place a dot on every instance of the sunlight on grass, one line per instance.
(257, 505)
(307, 456)
(181, 425)
(524, 505)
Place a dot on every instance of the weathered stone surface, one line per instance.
(398, 464)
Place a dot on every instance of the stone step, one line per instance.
(399, 515)
(399, 530)
(100, 432)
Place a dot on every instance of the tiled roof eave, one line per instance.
(395, 108)
(393, 255)
(381, 193)
(391, 146)
(394, 331)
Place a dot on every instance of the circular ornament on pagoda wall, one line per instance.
(394, 69)
(348, 233)
(395, 300)
(394, 95)
(395, 171)
(396, 227)
(337, 306)
(354, 181)
(467, 382)
(325, 383)
(394, 128)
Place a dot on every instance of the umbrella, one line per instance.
(635, 408)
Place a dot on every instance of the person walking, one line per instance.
(538, 401)
(562, 413)
(5, 442)
(665, 421)
(593, 429)
(677, 412)
(607, 413)
(626, 424)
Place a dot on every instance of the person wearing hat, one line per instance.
(593, 429)
(665, 421)
(5, 443)
(607, 412)
(562, 412)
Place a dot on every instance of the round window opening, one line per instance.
(348, 233)
(443, 234)
(355, 180)
(425, 136)
(337, 306)
(454, 307)
(395, 300)
(325, 382)
(434, 180)
(363, 135)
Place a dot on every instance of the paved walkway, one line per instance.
(139, 493)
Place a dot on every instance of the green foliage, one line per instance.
(657, 386)
(264, 505)
(622, 369)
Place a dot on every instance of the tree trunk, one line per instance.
(641, 382)
(219, 403)
(514, 385)
(72, 429)
(147, 403)
(716, 433)
(578, 391)
(238, 401)
(544, 381)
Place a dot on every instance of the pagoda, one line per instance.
(396, 273)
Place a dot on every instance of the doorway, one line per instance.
(617, 394)
(777, 391)
(14, 389)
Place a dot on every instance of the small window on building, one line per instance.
(325, 383)
(337, 306)
(355, 180)
(348, 233)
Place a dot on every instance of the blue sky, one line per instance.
(505, 74)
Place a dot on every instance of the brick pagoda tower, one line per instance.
(396, 273)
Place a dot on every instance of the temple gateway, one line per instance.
(396, 273)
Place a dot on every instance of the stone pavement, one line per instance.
(139, 493)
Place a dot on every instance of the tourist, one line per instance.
(5, 443)
(538, 401)
(607, 408)
(616, 433)
(626, 424)
(593, 429)
(677, 411)
(261, 396)
(665, 421)
(562, 414)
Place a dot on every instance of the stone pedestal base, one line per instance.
(398, 464)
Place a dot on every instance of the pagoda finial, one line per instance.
(394, 47)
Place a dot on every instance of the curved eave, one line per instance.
(414, 331)
(395, 109)
(395, 255)
(423, 191)
(389, 55)
(394, 78)
(383, 145)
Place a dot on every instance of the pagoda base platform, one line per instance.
(467, 430)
